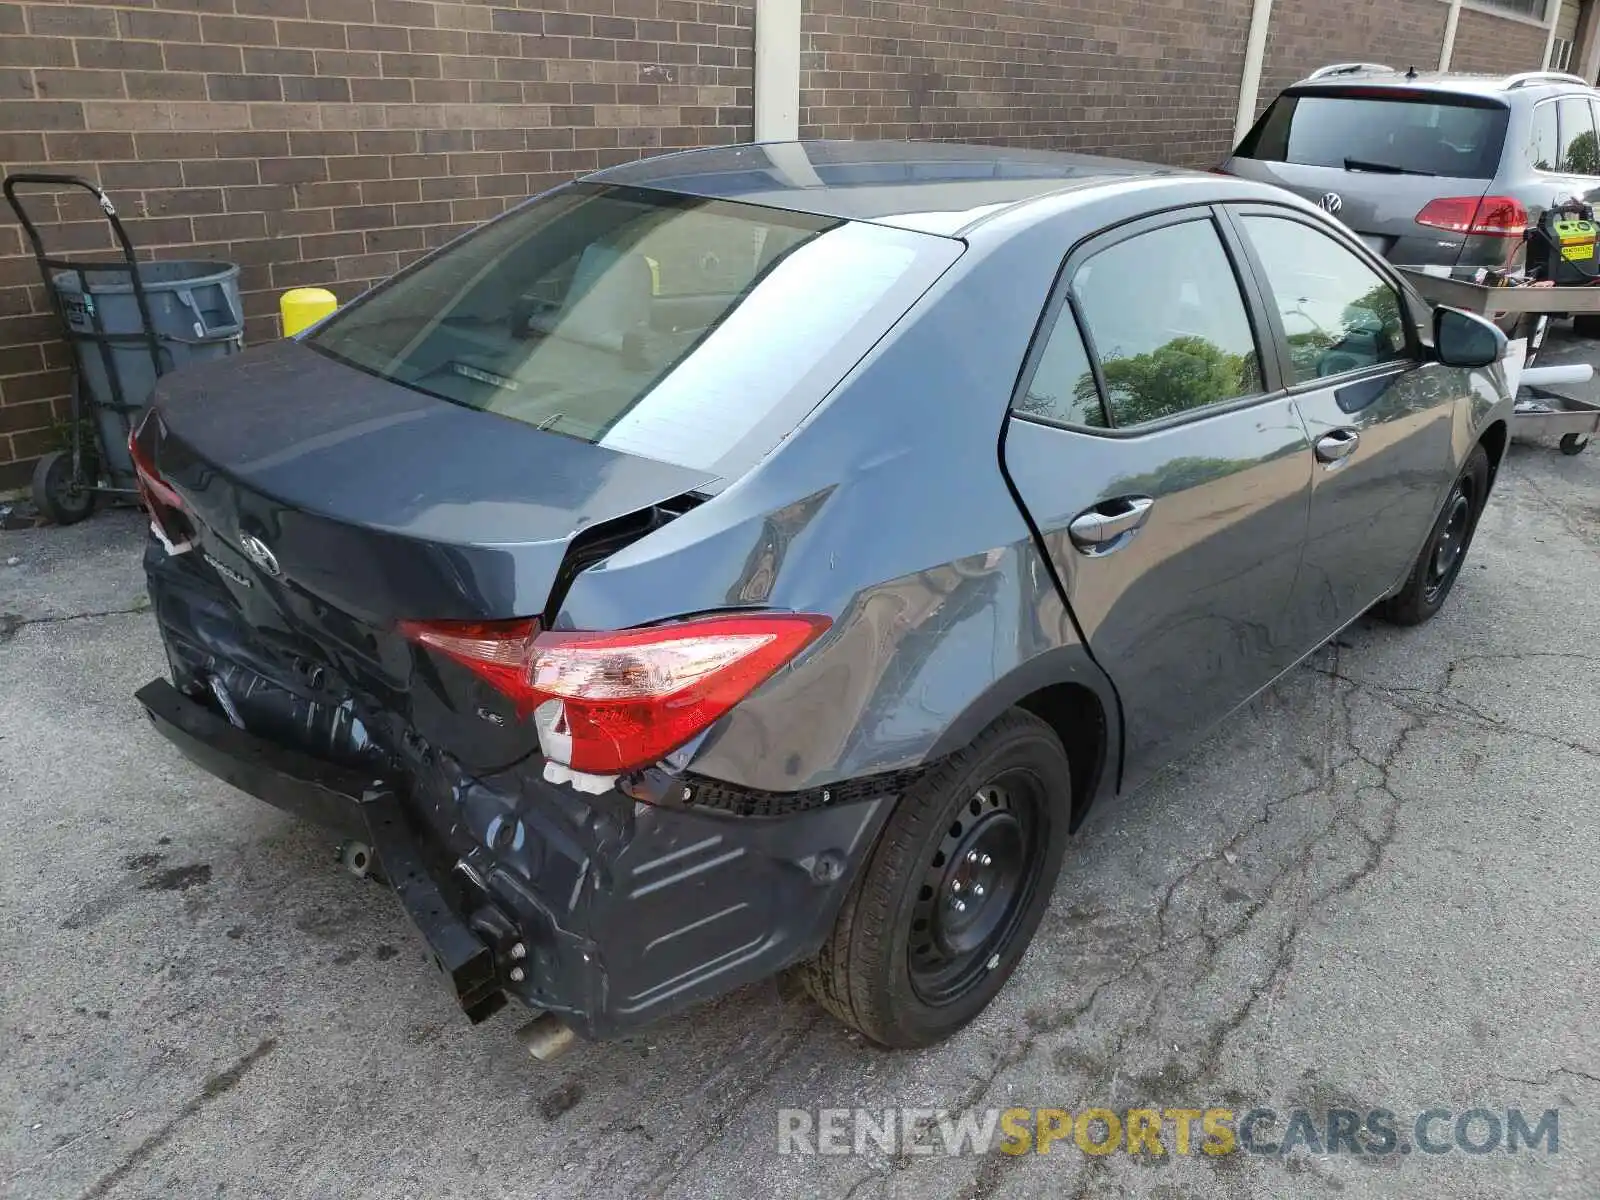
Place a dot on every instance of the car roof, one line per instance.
(935, 187)
(1503, 87)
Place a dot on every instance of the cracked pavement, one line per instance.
(1377, 887)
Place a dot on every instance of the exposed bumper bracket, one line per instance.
(348, 803)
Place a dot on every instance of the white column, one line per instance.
(777, 101)
(1550, 34)
(1255, 49)
(1452, 18)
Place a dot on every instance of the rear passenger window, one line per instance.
(1168, 324)
(1579, 153)
(1062, 388)
(1338, 313)
(1544, 146)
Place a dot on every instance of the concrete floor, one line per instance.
(1376, 889)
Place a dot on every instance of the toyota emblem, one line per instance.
(259, 553)
(1331, 203)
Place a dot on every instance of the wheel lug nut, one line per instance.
(959, 906)
(977, 889)
(986, 860)
(972, 856)
(955, 885)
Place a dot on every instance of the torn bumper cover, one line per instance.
(604, 911)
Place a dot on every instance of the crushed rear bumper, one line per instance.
(606, 912)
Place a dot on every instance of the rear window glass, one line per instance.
(1367, 132)
(692, 331)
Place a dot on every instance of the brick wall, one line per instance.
(1486, 42)
(327, 142)
(1155, 80)
(1307, 34)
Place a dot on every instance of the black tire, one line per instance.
(60, 497)
(901, 965)
(1437, 566)
(1586, 325)
(1573, 443)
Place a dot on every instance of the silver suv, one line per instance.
(1431, 170)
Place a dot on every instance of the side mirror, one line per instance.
(1461, 339)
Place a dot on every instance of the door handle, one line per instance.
(1109, 525)
(1336, 446)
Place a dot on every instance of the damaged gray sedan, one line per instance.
(764, 558)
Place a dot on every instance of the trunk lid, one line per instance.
(385, 501)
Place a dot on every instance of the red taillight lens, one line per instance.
(606, 703)
(154, 489)
(1486, 216)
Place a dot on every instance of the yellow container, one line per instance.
(305, 306)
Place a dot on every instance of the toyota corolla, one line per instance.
(764, 558)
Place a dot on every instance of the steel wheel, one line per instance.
(976, 887)
(1451, 545)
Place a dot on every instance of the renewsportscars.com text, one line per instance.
(1203, 1131)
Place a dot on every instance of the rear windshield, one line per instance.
(1423, 135)
(692, 331)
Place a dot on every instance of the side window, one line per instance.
(1167, 321)
(1543, 146)
(1579, 153)
(1338, 313)
(1063, 387)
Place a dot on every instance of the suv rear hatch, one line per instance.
(1391, 155)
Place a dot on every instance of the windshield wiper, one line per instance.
(1361, 164)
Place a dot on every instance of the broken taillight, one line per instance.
(167, 516)
(606, 703)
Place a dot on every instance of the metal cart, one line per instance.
(1573, 420)
(121, 321)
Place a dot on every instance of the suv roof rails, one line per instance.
(1524, 78)
(1350, 68)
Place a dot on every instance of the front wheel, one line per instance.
(951, 895)
(1435, 571)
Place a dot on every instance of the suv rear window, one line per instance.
(688, 330)
(1453, 136)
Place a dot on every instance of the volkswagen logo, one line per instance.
(1331, 203)
(259, 553)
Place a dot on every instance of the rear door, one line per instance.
(1379, 418)
(1377, 157)
(1169, 485)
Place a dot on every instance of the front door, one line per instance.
(1169, 487)
(1379, 419)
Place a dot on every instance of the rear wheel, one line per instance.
(954, 890)
(1573, 443)
(1436, 568)
(56, 493)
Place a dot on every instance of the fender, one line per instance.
(1069, 664)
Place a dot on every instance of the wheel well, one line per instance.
(1493, 440)
(1074, 712)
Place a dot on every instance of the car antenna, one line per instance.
(1411, 72)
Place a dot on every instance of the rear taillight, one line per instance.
(1476, 216)
(152, 487)
(606, 703)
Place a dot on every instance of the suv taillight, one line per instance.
(1476, 216)
(606, 703)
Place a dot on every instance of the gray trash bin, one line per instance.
(195, 312)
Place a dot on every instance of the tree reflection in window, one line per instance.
(1168, 324)
(1338, 314)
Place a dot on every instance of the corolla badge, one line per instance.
(1332, 202)
(259, 553)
